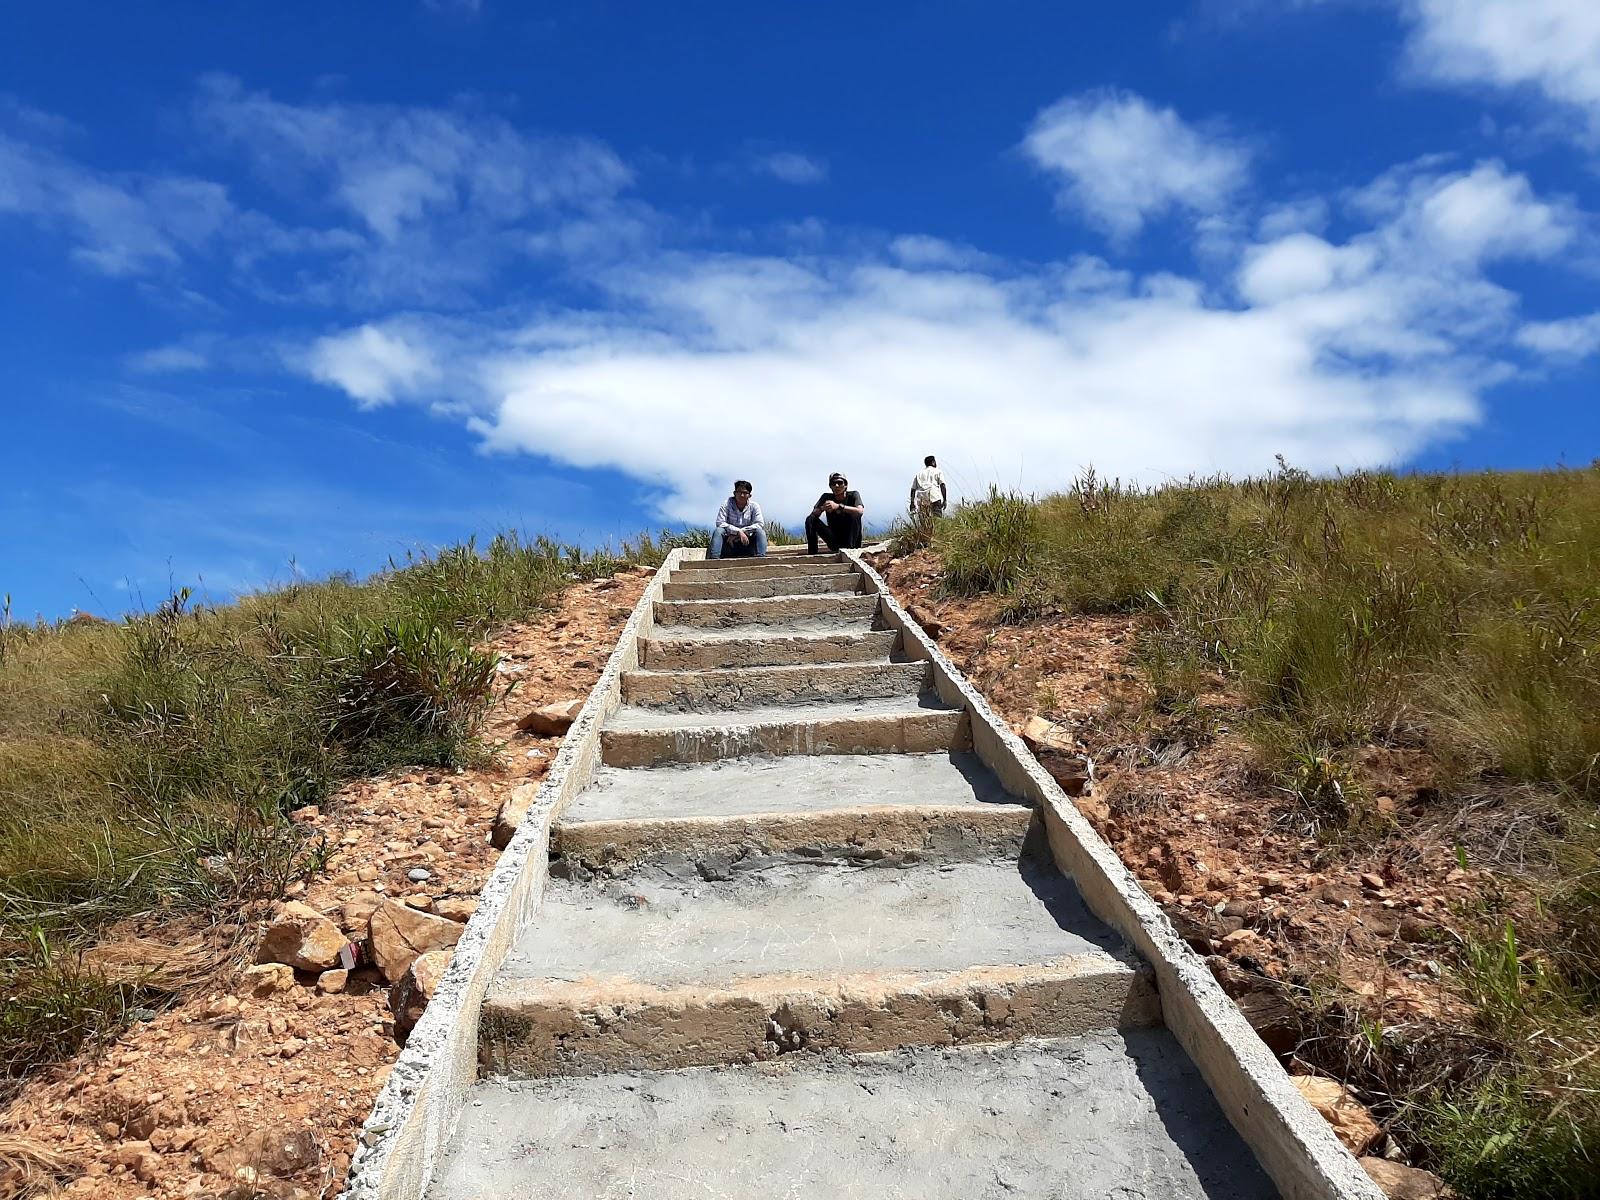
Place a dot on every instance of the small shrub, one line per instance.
(52, 1006)
(989, 545)
(1502, 1139)
(414, 692)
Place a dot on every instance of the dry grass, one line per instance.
(29, 1168)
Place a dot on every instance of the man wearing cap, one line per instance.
(836, 518)
(738, 530)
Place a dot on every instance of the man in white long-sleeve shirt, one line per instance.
(740, 529)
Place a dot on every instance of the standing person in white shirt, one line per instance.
(740, 529)
(928, 490)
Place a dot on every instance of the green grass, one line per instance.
(147, 766)
(1456, 614)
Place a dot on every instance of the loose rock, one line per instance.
(401, 934)
(1348, 1116)
(410, 995)
(456, 908)
(331, 983)
(302, 938)
(266, 979)
(512, 810)
(551, 720)
(1406, 1183)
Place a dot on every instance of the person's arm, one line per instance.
(817, 507)
(757, 517)
(911, 500)
(944, 490)
(859, 508)
(722, 519)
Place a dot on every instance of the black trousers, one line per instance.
(842, 531)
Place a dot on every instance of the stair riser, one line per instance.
(587, 1029)
(664, 654)
(734, 570)
(864, 835)
(755, 589)
(919, 733)
(833, 606)
(756, 687)
(787, 558)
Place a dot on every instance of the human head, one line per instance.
(929, 462)
(742, 490)
(837, 481)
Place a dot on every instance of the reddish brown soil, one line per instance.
(1308, 932)
(228, 1095)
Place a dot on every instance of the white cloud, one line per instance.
(372, 364)
(1122, 161)
(1468, 217)
(696, 368)
(789, 166)
(920, 250)
(1552, 46)
(396, 168)
(428, 204)
(1297, 265)
(168, 360)
(702, 368)
(119, 225)
(1571, 338)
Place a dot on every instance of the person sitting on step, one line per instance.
(836, 518)
(739, 530)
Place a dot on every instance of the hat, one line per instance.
(837, 478)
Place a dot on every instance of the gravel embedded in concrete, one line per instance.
(1107, 1115)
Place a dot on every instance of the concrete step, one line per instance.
(731, 688)
(780, 556)
(723, 569)
(777, 648)
(650, 737)
(1102, 1115)
(732, 816)
(652, 970)
(836, 607)
(761, 585)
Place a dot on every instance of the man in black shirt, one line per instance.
(836, 517)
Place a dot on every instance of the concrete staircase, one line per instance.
(798, 940)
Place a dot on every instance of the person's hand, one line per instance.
(830, 505)
(742, 536)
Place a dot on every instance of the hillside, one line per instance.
(1343, 730)
(1346, 732)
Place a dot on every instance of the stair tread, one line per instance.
(801, 627)
(1073, 1118)
(634, 717)
(797, 783)
(654, 926)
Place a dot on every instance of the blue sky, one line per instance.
(293, 290)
